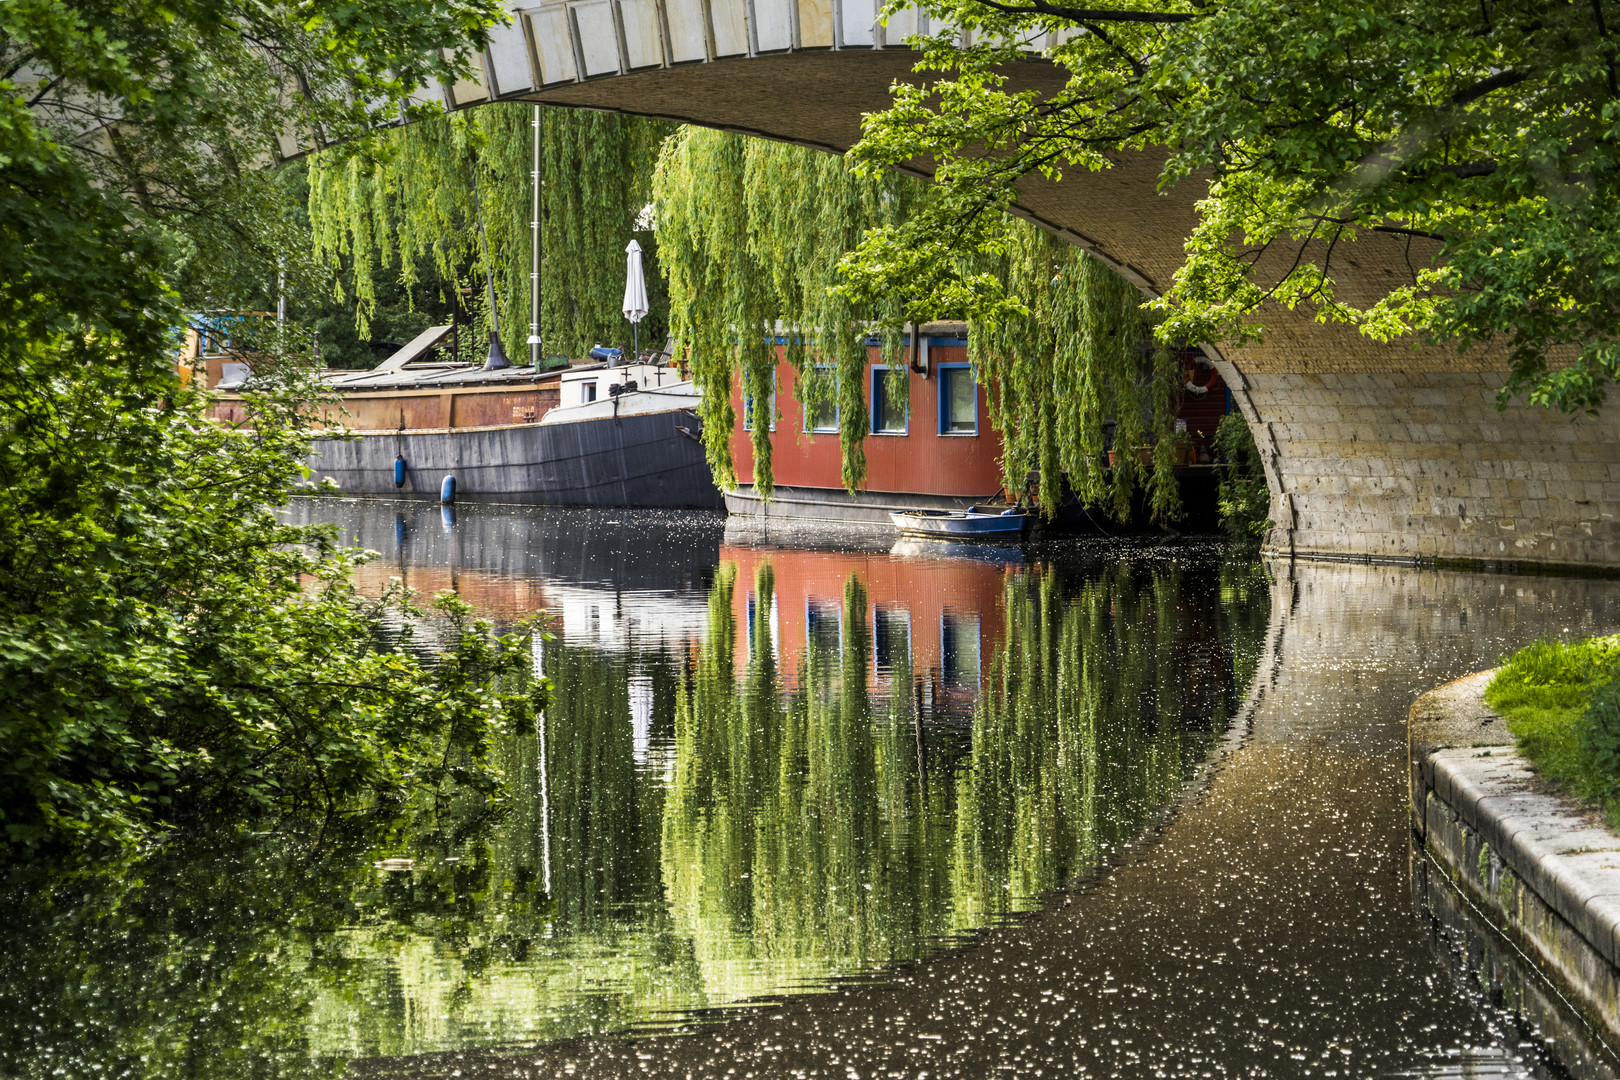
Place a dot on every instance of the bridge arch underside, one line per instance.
(1383, 452)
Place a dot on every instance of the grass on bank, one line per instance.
(1561, 701)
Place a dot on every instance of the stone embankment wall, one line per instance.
(1543, 871)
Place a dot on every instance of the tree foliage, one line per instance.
(1481, 134)
(750, 234)
(1243, 498)
(169, 647)
(166, 645)
(416, 195)
(1075, 374)
(176, 107)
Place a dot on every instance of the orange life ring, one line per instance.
(1196, 388)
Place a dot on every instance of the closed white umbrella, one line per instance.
(635, 291)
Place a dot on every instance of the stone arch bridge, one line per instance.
(1372, 451)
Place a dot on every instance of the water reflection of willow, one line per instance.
(728, 821)
(824, 830)
(1090, 722)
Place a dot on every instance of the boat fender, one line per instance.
(447, 489)
(399, 471)
(1010, 511)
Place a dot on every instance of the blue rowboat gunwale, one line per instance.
(970, 524)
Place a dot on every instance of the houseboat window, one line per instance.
(958, 400)
(822, 414)
(888, 415)
(959, 648)
(587, 392)
(891, 638)
(748, 408)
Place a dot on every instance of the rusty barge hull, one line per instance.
(645, 460)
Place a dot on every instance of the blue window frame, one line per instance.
(822, 415)
(889, 417)
(958, 400)
(748, 408)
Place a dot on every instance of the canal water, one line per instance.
(821, 804)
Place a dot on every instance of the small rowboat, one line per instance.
(969, 524)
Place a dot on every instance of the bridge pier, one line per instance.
(1423, 466)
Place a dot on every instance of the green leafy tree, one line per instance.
(1243, 498)
(751, 232)
(170, 648)
(175, 108)
(1070, 379)
(1481, 133)
(167, 646)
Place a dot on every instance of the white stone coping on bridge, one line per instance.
(558, 42)
(1544, 870)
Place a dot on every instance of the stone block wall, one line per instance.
(1424, 465)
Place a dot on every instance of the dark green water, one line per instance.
(827, 797)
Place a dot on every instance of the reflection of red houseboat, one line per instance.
(937, 452)
(942, 616)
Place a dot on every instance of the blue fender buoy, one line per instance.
(447, 514)
(447, 489)
(399, 471)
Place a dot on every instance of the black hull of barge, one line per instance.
(640, 460)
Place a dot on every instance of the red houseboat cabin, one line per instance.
(939, 451)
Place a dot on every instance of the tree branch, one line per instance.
(1501, 79)
(1473, 168)
(1137, 66)
(1398, 231)
(1083, 15)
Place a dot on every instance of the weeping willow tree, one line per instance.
(750, 233)
(1077, 374)
(752, 237)
(419, 193)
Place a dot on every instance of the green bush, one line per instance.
(169, 648)
(1562, 704)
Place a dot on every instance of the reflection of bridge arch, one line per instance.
(1372, 450)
